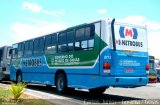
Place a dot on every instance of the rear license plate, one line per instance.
(129, 70)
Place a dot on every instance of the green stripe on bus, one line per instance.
(79, 58)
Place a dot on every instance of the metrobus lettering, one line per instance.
(32, 62)
(129, 43)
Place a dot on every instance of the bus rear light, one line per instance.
(147, 68)
(106, 67)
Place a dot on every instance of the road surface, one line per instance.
(149, 94)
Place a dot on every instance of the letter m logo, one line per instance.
(128, 32)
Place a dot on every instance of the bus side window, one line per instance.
(41, 46)
(15, 53)
(79, 38)
(1, 54)
(25, 48)
(38, 46)
(89, 36)
(91, 43)
(54, 43)
(85, 38)
(70, 40)
(51, 44)
(84, 44)
(48, 45)
(20, 50)
(62, 42)
(35, 45)
(28, 48)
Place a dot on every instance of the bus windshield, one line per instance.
(130, 38)
(152, 69)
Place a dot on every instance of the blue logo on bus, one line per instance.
(128, 32)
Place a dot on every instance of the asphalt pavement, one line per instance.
(148, 95)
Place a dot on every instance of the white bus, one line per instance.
(5, 56)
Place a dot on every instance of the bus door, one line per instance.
(129, 55)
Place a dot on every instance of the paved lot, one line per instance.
(141, 95)
(151, 91)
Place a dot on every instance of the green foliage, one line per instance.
(4, 94)
(5, 99)
(17, 90)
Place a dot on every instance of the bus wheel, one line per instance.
(97, 91)
(19, 77)
(61, 83)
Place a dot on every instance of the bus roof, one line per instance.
(109, 20)
(4, 46)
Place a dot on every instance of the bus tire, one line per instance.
(19, 77)
(97, 91)
(61, 83)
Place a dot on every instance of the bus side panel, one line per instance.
(12, 73)
(95, 81)
(14, 66)
(88, 81)
(40, 78)
(45, 74)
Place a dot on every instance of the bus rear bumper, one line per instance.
(153, 80)
(95, 81)
(130, 81)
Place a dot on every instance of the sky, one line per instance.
(24, 19)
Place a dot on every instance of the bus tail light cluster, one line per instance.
(147, 68)
(106, 67)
